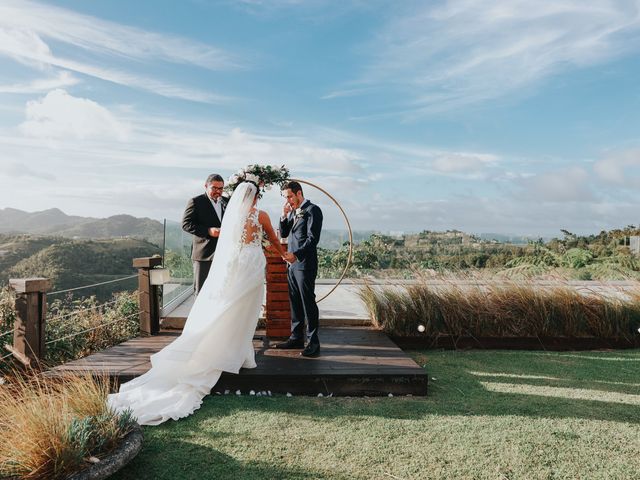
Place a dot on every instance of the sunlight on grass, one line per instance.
(460, 430)
(516, 376)
(512, 375)
(594, 357)
(627, 384)
(559, 392)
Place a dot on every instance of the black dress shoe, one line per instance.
(290, 344)
(311, 350)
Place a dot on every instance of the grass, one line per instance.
(49, 428)
(489, 414)
(502, 309)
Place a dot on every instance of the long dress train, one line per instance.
(217, 337)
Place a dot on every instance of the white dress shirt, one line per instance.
(217, 206)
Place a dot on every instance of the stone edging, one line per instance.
(125, 452)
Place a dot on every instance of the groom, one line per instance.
(202, 219)
(301, 221)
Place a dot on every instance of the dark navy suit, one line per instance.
(303, 233)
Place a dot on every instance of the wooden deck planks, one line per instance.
(354, 361)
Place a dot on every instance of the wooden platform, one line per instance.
(355, 361)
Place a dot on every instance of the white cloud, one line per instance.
(60, 115)
(107, 38)
(439, 56)
(97, 161)
(115, 51)
(621, 169)
(463, 162)
(23, 45)
(114, 160)
(572, 184)
(61, 80)
(180, 144)
(478, 214)
(17, 170)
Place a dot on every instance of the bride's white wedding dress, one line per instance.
(218, 333)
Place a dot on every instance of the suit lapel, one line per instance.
(298, 221)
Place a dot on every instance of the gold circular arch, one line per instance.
(346, 220)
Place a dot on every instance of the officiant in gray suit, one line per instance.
(202, 219)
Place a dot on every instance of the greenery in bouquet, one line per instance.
(263, 176)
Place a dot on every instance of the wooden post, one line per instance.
(148, 295)
(28, 329)
(278, 312)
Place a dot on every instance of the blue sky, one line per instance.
(506, 116)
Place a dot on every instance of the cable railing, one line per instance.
(84, 331)
(6, 356)
(75, 334)
(66, 315)
(69, 317)
(84, 310)
(93, 285)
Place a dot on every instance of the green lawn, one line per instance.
(489, 414)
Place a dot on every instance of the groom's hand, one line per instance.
(286, 209)
(290, 257)
(214, 232)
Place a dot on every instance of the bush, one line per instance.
(49, 427)
(577, 258)
(78, 327)
(7, 311)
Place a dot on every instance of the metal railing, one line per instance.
(31, 312)
(87, 330)
(93, 285)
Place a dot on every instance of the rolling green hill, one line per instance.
(71, 263)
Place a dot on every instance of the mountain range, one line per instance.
(55, 222)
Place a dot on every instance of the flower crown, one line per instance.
(262, 176)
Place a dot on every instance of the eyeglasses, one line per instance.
(216, 188)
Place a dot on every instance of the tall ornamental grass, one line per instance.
(52, 427)
(502, 309)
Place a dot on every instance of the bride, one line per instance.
(218, 334)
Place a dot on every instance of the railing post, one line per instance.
(28, 329)
(148, 295)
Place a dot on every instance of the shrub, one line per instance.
(577, 258)
(77, 327)
(7, 310)
(49, 427)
